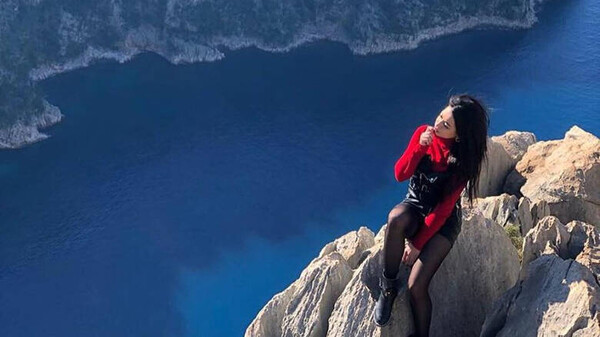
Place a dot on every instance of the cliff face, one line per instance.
(482, 264)
(558, 292)
(545, 284)
(40, 38)
(564, 173)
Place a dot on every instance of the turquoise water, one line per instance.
(177, 200)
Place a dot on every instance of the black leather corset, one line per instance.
(425, 186)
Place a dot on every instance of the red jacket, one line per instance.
(439, 150)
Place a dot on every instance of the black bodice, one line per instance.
(425, 186)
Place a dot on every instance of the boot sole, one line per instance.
(377, 324)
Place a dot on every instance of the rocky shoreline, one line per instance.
(26, 130)
(180, 31)
(527, 261)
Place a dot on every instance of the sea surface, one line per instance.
(177, 200)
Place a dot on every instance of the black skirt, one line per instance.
(451, 227)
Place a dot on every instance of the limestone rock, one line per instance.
(506, 209)
(515, 143)
(304, 307)
(581, 234)
(351, 245)
(330, 299)
(503, 209)
(556, 295)
(529, 213)
(556, 292)
(549, 231)
(517, 216)
(353, 311)
(590, 258)
(565, 173)
(557, 298)
(268, 321)
(513, 182)
(481, 265)
(503, 153)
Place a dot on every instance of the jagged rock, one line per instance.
(590, 258)
(353, 311)
(513, 182)
(565, 173)
(549, 296)
(304, 307)
(581, 233)
(480, 266)
(548, 231)
(555, 295)
(517, 216)
(557, 298)
(515, 143)
(525, 215)
(503, 154)
(503, 209)
(351, 245)
(269, 319)
(530, 213)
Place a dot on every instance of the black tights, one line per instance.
(403, 219)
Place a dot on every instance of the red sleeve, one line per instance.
(407, 163)
(437, 217)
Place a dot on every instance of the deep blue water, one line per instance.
(177, 200)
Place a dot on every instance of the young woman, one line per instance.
(440, 160)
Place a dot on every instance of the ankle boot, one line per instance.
(383, 307)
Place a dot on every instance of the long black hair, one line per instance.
(470, 149)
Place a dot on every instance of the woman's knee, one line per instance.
(400, 218)
(418, 291)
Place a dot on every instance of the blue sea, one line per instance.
(177, 200)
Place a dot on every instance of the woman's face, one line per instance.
(444, 126)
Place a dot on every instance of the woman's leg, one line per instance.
(422, 272)
(402, 221)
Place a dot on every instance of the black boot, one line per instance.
(383, 307)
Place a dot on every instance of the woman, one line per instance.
(440, 160)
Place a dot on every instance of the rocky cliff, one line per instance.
(527, 262)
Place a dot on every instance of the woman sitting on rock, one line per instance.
(440, 160)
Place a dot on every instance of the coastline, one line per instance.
(26, 130)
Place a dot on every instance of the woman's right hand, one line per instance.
(426, 136)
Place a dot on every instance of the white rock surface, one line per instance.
(504, 152)
(482, 264)
(565, 173)
(304, 307)
(351, 246)
(548, 232)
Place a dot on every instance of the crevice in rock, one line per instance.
(568, 268)
(580, 323)
(363, 257)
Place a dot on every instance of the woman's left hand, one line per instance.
(410, 254)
